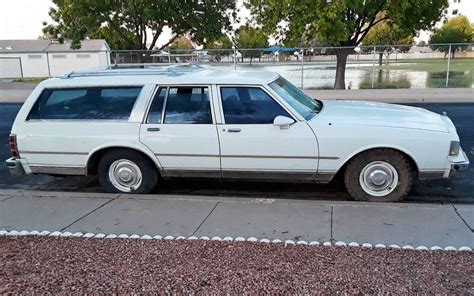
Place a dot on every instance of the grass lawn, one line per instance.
(429, 65)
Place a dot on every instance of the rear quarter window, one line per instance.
(112, 103)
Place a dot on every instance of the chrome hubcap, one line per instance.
(378, 178)
(125, 175)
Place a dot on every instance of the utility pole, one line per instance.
(373, 67)
(449, 65)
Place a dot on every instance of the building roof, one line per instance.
(40, 45)
(173, 75)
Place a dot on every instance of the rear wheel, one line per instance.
(126, 171)
(379, 175)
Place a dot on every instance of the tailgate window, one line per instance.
(110, 103)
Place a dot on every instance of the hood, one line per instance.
(383, 114)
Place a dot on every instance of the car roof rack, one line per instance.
(137, 69)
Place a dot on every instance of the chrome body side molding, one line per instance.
(269, 175)
(282, 176)
(58, 170)
(250, 156)
(430, 175)
(53, 152)
(172, 173)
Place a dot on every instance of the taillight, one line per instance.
(13, 146)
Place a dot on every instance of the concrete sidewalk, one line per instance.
(179, 215)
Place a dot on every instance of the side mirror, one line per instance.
(283, 122)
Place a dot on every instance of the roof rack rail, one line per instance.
(136, 69)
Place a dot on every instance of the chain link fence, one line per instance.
(397, 66)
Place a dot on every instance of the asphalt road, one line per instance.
(459, 188)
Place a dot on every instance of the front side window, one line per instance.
(114, 103)
(188, 105)
(249, 105)
(302, 103)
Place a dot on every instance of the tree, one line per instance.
(217, 45)
(249, 37)
(342, 23)
(126, 23)
(385, 35)
(181, 45)
(455, 30)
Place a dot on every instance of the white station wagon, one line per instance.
(133, 126)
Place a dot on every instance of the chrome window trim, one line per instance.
(289, 106)
(149, 102)
(165, 102)
(79, 120)
(219, 86)
(129, 119)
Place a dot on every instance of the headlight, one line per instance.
(454, 148)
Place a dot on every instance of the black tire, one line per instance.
(396, 159)
(147, 168)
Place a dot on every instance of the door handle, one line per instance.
(234, 130)
(153, 129)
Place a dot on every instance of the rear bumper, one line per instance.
(461, 163)
(15, 166)
(454, 164)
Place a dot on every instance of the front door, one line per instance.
(253, 147)
(180, 130)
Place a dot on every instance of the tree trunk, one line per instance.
(341, 57)
(380, 58)
(387, 58)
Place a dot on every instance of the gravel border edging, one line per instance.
(228, 239)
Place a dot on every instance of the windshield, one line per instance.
(301, 102)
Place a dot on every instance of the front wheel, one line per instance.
(125, 171)
(379, 175)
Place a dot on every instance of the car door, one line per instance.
(253, 147)
(179, 128)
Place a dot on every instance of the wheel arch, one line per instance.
(405, 153)
(95, 156)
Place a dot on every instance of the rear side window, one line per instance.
(188, 105)
(86, 103)
(154, 116)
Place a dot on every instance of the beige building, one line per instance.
(47, 58)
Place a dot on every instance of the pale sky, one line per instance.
(22, 19)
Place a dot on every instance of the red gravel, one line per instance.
(77, 265)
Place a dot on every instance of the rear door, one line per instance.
(180, 129)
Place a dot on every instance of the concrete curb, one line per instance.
(420, 201)
(286, 243)
(10, 193)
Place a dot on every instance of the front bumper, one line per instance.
(15, 166)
